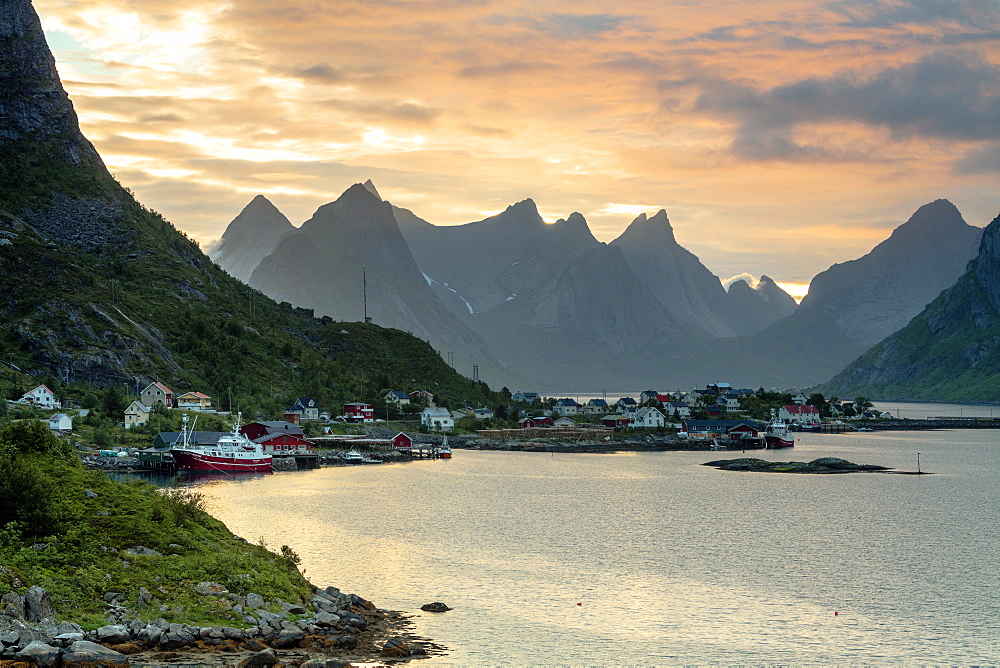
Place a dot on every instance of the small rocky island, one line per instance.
(821, 465)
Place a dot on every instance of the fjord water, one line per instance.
(670, 562)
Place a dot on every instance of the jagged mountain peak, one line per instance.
(370, 187)
(649, 229)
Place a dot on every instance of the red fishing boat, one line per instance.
(777, 435)
(231, 453)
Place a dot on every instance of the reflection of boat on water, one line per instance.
(229, 453)
(776, 435)
(445, 451)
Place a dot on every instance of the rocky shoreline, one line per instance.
(336, 629)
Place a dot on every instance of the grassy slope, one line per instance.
(961, 363)
(73, 545)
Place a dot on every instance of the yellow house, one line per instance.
(136, 413)
(194, 401)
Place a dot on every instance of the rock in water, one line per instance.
(437, 606)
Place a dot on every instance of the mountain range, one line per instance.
(562, 310)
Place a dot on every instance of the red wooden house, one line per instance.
(402, 442)
(277, 436)
(616, 421)
(359, 412)
(531, 422)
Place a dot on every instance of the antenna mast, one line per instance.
(364, 287)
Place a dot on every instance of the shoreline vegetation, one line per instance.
(149, 578)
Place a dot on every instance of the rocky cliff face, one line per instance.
(950, 351)
(875, 295)
(325, 264)
(50, 175)
(755, 308)
(854, 304)
(250, 237)
(476, 267)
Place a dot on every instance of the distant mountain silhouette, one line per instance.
(323, 266)
(949, 352)
(688, 290)
(853, 305)
(250, 238)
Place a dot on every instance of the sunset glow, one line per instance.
(780, 137)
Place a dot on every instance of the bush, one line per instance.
(25, 498)
(32, 436)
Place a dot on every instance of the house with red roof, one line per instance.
(796, 414)
(194, 401)
(157, 393)
(41, 396)
(277, 436)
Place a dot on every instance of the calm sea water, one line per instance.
(650, 558)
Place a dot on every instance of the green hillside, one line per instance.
(96, 290)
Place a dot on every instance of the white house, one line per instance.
(567, 407)
(136, 413)
(41, 396)
(597, 407)
(482, 413)
(437, 419)
(648, 416)
(526, 397)
(60, 422)
(679, 408)
(564, 422)
(797, 414)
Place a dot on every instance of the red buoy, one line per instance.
(579, 603)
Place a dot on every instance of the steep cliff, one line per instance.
(948, 352)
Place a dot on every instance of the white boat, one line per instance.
(445, 451)
(231, 453)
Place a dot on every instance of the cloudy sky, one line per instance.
(780, 136)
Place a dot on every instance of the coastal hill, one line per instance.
(948, 352)
(97, 289)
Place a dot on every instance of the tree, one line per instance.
(861, 404)
(112, 402)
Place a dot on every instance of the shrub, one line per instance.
(25, 498)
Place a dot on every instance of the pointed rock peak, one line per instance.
(740, 285)
(260, 203)
(360, 192)
(765, 282)
(640, 219)
(660, 218)
(370, 187)
(576, 218)
(937, 216)
(525, 206)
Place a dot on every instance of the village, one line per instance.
(716, 413)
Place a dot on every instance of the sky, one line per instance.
(780, 136)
